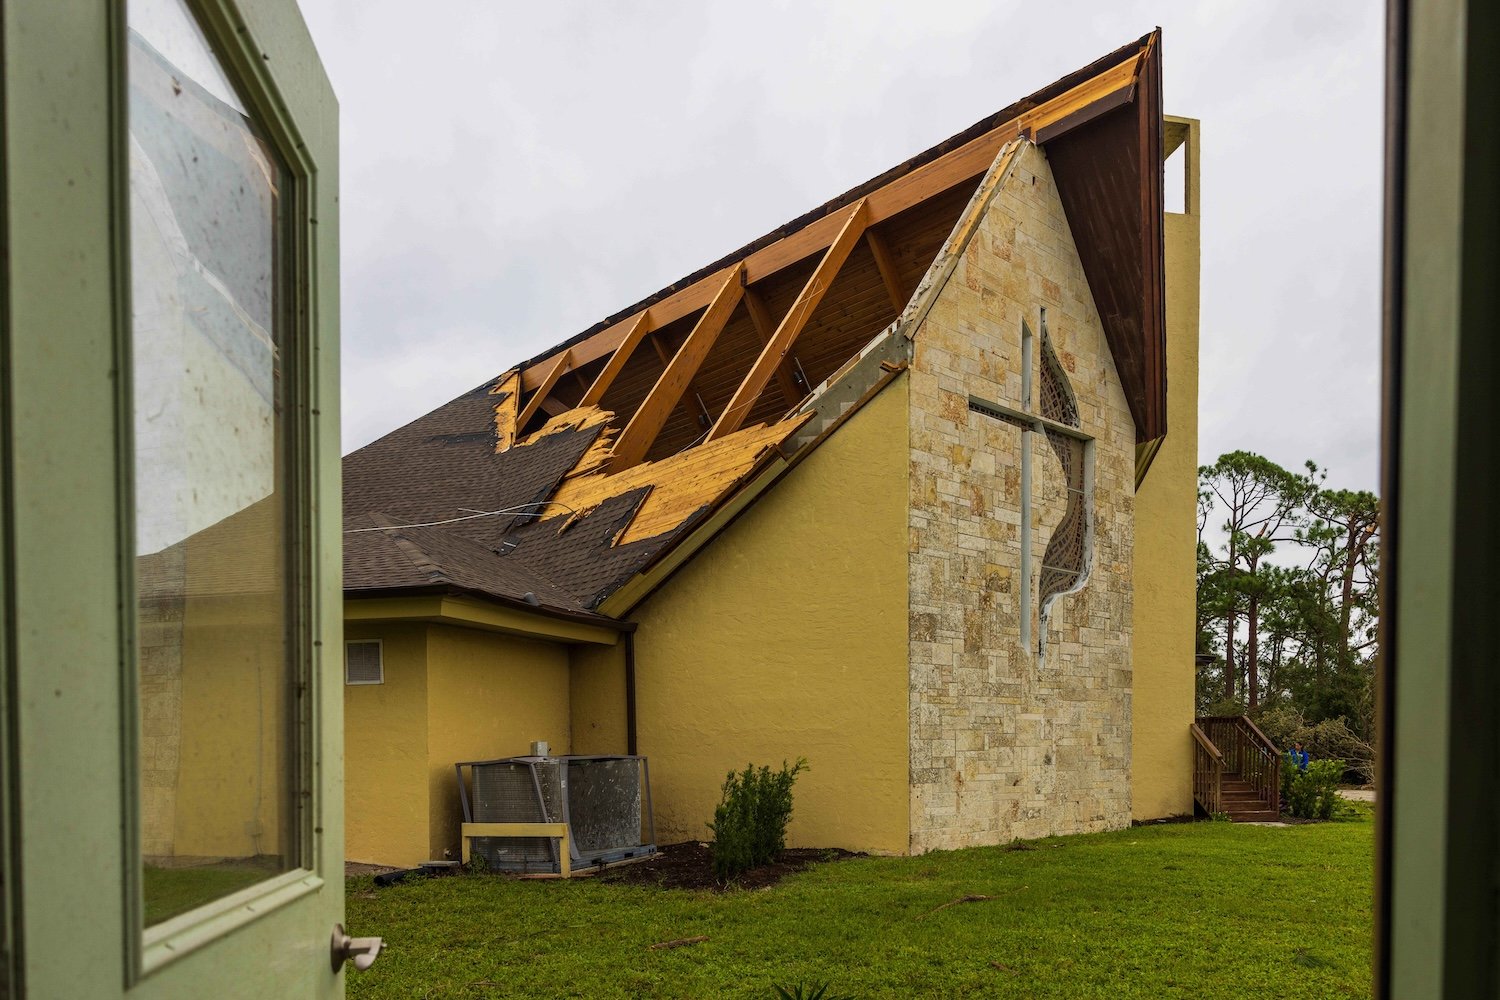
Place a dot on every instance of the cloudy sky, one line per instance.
(513, 173)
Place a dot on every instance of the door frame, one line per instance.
(69, 572)
(1437, 863)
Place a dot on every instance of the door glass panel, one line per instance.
(218, 778)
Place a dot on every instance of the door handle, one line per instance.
(361, 951)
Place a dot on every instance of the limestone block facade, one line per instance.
(1013, 738)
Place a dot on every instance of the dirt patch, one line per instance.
(689, 866)
(354, 869)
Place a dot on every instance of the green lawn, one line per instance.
(1201, 910)
(170, 891)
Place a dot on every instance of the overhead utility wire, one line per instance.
(523, 508)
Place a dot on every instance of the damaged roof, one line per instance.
(580, 470)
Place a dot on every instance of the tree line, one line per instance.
(1287, 602)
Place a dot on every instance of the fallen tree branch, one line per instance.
(972, 897)
(679, 943)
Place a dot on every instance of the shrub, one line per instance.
(1313, 793)
(750, 822)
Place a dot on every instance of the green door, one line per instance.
(169, 527)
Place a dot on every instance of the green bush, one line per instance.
(1313, 793)
(750, 822)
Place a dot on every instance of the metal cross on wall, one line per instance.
(1065, 562)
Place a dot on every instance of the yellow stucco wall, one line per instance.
(385, 751)
(488, 695)
(232, 762)
(597, 678)
(1166, 505)
(786, 637)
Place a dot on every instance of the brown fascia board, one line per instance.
(1125, 52)
(514, 604)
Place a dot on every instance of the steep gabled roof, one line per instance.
(584, 467)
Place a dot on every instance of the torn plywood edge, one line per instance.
(507, 408)
(580, 418)
(682, 484)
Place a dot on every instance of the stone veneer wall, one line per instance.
(1003, 746)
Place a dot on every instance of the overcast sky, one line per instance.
(513, 173)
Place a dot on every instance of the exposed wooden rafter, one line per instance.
(886, 264)
(616, 363)
(967, 162)
(549, 381)
(776, 350)
(692, 401)
(765, 326)
(636, 440)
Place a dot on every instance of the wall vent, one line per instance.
(363, 663)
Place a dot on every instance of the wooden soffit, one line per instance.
(1108, 168)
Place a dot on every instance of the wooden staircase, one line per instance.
(1236, 770)
(1242, 803)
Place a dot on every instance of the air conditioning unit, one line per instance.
(556, 815)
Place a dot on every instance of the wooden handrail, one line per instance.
(1261, 736)
(1208, 772)
(1208, 745)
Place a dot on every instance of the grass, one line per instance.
(1193, 910)
(170, 891)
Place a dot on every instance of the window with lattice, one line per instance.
(1065, 562)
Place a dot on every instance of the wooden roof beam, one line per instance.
(886, 265)
(616, 363)
(760, 318)
(854, 223)
(636, 440)
(967, 162)
(543, 391)
(692, 395)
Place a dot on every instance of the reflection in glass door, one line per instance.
(217, 651)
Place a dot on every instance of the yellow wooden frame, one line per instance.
(554, 831)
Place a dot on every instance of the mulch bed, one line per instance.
(688, 866)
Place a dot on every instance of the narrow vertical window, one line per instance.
(1065, 563)
(217, 771)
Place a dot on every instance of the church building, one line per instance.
(905, 487)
